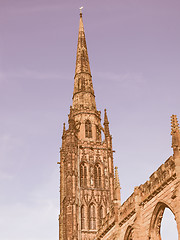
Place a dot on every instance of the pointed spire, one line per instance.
(82, 59)
(117, 187)
(83, 95)
(175, 132)
(106, 123)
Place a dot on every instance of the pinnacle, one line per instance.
(117, 184)
(174, 124)
(105, 117)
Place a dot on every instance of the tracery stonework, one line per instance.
(90, 201)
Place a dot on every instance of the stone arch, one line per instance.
(155, 223)
(128, 234)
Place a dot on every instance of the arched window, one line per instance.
(83, 175)
(88, 129)
(97, 176)
(92, 217)
(83, 217)
(101, 215)
(156, 219)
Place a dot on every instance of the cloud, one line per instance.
(122, 77)
(32, 74)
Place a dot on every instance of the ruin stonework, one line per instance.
(90, 200)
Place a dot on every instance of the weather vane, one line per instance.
(81, 9)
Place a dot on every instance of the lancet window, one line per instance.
(88, 129)
(83, 175)
(92, 217)
(101, 215)
(97, 176)
(83, 217)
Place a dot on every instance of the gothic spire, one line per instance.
(106, 124)
(117, 187)
(82, 59)
(83, 95)
(175, 132)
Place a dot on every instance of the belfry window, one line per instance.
(97, 176)
(83, 175)
(92, 217)
(88, 129)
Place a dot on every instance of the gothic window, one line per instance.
(88, 129)
(101, 215)
(83, 217)
(83, 175)
(92, 217)
(97, 176)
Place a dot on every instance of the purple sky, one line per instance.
(134, 56)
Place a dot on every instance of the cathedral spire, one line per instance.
(83, 95)
(175, 132)
(82, 59)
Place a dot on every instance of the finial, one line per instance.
(80, 11)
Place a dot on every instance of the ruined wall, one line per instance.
(139, 217)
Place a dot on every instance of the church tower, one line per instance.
(87, 184)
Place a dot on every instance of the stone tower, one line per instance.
(88, 189)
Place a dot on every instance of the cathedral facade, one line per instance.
(90, 201)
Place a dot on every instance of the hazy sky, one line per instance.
(134, 56)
